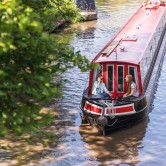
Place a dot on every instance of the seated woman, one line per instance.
(99, 89)
(132, 88)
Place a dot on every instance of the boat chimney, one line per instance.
(122, 47)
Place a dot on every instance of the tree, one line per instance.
(29, 57)
(54, 11)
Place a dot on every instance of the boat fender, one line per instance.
(102, 121)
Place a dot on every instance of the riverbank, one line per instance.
(89, 15)
(85, 16)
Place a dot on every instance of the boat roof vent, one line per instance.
(111, 48)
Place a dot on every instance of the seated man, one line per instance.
(99, 89)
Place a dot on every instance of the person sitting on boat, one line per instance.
(132, 88)
(153, 4)
(99, 89)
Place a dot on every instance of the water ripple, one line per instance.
(141, 145)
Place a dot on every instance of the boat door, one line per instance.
(115, 79)
(116, 74)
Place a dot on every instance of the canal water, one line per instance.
(80, 145)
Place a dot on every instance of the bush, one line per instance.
(54, 11)
(29, 57)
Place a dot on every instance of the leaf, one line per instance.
(47, 84)
(3, 131)
(27, 119)
(4, 115)
(2, 93)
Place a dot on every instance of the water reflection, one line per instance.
(142, 144)
(121, 147)
(88, 33)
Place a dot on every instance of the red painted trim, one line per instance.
(91, 81)
(126, 73)
(163, 4)
(92, 108)
(119, 63)
(105, 74)
(124, 109)
(99, 110)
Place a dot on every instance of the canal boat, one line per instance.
(137, 49)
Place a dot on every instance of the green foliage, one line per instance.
(29, 57)
(66, 9)
(53, 12)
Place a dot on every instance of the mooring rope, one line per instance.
(112, 123)
(111, 109)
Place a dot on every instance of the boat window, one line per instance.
(97, 72)
(132, 71)
(110, 78)
(120, 82)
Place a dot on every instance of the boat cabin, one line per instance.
(131, 51)
(114, 77)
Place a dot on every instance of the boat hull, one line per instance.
(125, 114)
(121, 113)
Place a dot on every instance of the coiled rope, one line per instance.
(111, 109)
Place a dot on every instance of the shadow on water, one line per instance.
(120, 147)
(88, 33)
(80, 144)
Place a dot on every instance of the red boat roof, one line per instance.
(134, 36)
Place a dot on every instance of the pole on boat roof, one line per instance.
(116, 53)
